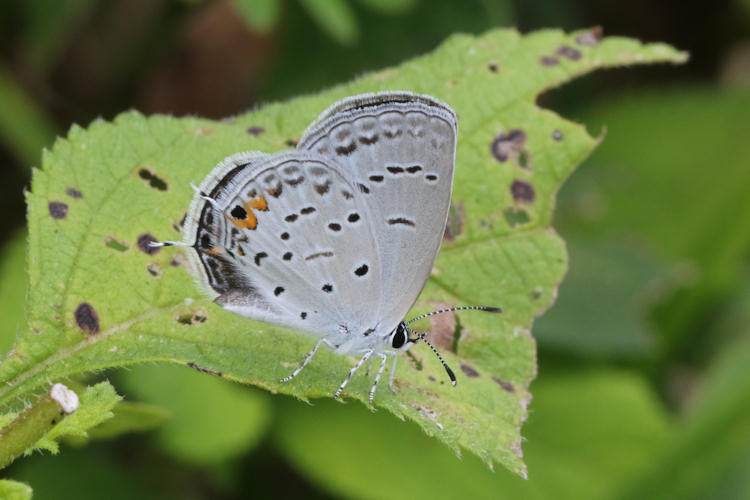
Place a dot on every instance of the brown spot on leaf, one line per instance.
(292, 143)
(74, 193)
(455, 222)
(144, 244)
(443, 329)
(569, 52)
(493, 67)
(58, 209)
(591, 38)
(153, 180)
(87, 319)
(557, 135)
(256, 131)
(469, 371)
(204, 369)
(203, 131)
(522, 191)
(506, 144)
(548, 61)
(507, 386)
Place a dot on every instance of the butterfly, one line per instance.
(336, 238)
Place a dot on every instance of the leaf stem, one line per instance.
(36, 421)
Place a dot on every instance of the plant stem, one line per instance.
(36, 421)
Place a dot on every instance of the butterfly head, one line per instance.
(399, 338)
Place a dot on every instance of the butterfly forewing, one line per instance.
(399, 149)
(285, 239)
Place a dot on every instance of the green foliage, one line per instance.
(690, 219)
(260, 15)
(88, 476)
(603, 305)
(569, 454)
(13, 490)
(130, 417)
(214, 420)
(147, 308)
(335, 18)
(713, 438)
(24, 128)
(12, 290)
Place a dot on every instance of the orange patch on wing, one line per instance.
(258, 203)
(250, 222)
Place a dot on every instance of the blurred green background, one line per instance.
(644, 362)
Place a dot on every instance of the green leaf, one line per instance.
(95, 305)
(13, 490)
(260, 15)
(335, 18)
(95, 407)
(578, 419)
(237, 416)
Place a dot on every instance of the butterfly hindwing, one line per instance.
(399, 149)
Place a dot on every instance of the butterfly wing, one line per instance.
(284, 239)
(399, 149)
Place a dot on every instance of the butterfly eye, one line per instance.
(399, 337)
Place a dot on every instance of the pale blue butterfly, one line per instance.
(336, 238)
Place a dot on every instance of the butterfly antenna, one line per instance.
(445, 365)
(459, 308)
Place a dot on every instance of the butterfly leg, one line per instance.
(308, 357)
(383, 359)
(351, 373)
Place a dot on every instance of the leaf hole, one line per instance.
(154, 269)
(191, 318)
(516, 216)
(114, 244)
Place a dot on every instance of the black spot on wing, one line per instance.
(394, 221)
(237, 212)
(362, 270)
(258, 257)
